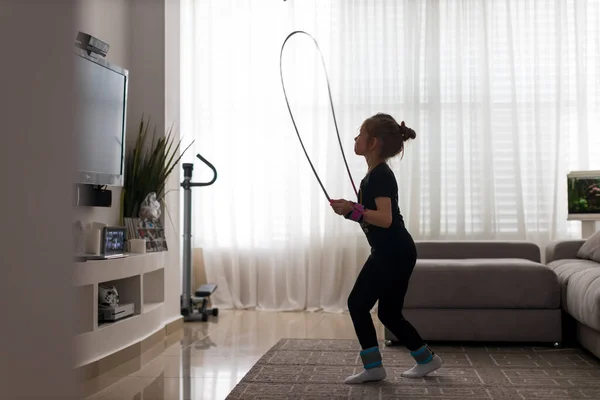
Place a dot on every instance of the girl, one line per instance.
(386, 273)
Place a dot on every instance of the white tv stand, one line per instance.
(139, 279)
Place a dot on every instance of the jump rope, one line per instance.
(332, 111)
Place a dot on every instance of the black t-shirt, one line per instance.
(381, 182)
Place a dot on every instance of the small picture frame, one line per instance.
(113, 240)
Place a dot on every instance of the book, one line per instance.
(153, 232)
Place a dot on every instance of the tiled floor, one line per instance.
(206, 360)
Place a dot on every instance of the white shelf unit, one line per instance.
(130, 291)
(139, 279)
(154, 289)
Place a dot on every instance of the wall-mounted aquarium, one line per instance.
(584, 195)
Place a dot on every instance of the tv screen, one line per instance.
(101, 90)
(584, 192)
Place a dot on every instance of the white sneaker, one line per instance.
(367, 375)
(421, 370)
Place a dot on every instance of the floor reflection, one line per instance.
(206, 360)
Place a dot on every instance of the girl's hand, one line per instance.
(341, 206)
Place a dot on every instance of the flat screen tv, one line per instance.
(584, 195)
(101, 110)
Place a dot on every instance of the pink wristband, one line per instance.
(357, 213)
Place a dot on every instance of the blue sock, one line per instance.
(371, 357)
(422, 355)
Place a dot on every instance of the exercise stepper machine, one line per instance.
(193, 308)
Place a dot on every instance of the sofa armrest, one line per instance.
(441, 249)
(562, 249)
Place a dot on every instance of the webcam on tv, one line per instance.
(91, 44)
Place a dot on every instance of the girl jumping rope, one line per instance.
(387, 271)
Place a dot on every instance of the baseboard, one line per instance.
(174, 325)
(120, 357)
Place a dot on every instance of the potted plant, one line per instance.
(147, 169)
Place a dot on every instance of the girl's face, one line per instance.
(363, 144)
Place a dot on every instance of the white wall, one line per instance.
(172, 96)
(150, 54)
(147, 52)
(108, 21)
(35, 198)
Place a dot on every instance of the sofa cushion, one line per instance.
(565, 269)
(456, 250)
(562, 249)
(583, 297)
(591, 249)
(483, 283)
(596, 255)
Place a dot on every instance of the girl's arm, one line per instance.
(382, 217)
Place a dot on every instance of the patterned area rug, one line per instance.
(315, 369)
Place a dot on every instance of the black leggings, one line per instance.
(384, 277)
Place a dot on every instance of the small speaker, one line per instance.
(92, 196)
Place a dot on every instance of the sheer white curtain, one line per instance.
(503, 96)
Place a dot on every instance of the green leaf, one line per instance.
(147, 168)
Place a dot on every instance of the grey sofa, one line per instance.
(496, 291)
(580, 283)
